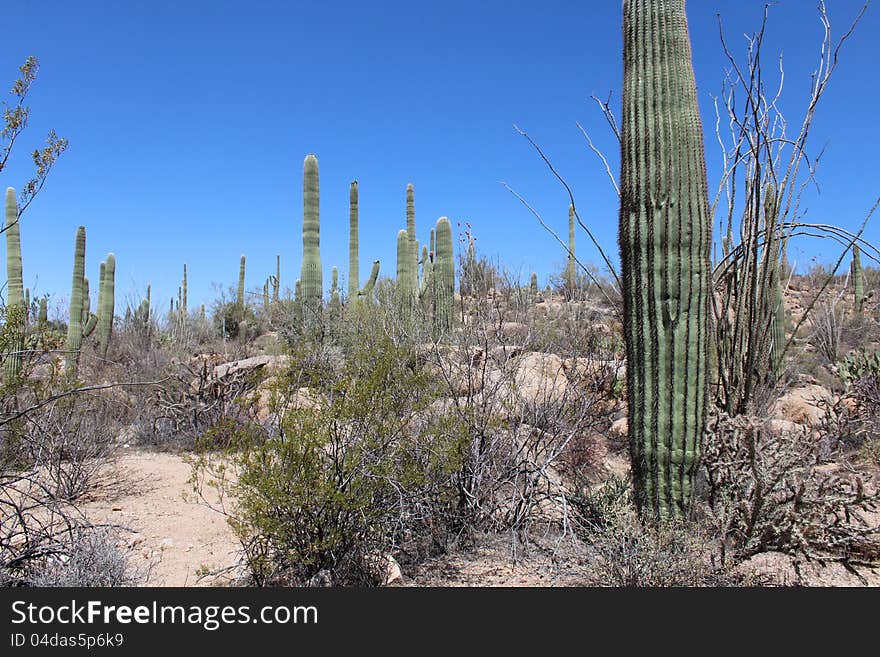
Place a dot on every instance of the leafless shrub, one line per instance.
(765, 491)
(92, 559)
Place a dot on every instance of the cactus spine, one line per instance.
(858, 280)
(16, 309)
(239, 299)
(311, 277)
(665, 235)
(354, 275)
(74, 325)
(444, 278)
(106, 302)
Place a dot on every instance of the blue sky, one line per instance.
(189, 121)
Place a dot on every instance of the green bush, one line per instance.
(356, 474)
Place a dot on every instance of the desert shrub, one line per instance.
(353, 473)
(622, 551)
(764, 492)
(91, 559)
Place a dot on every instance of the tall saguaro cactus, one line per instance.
(570, 272)
(665, 235)
(858, 280)
(16, 308)
(413, 250)
(106, 302)
(353, 261)
(444, 278)
(74, 325)
(311, 277)
(239, 299)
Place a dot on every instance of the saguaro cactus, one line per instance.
(239, 299)
(858, 280)
(16, 309)
(367, 291)
(74, 325)
(276, 281)
(665, 236)
(312, 279)
(353, 261)
(334, 292)
(533, 286)
(106, 302)
(413, 268)
(43, 315)
(444, 278)
(183, 296)
(403, 260)
(570, 272)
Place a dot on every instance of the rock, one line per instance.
(776, 566)
(272, 364)
(619, 429)
(540, 378)
(802, 405)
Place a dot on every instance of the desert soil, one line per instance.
(173, 537)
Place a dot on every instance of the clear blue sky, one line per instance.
(189, 121)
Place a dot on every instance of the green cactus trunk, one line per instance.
(74, 325)
(239, 299)
(444, 279)
(43, 316)
(276, 282)
(570, 271)
(413, 251)
(312, 278)
(533, 286)
(665, 236)
(858, 279)
(335, 304)
(184, 300)
(354, 276)
(16, 308)
(107, 303)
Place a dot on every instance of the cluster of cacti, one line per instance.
(16, 309)
(663, 211)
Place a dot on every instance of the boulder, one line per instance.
(540, 378)
(802, 405)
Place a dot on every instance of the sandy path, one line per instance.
(165, 527)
